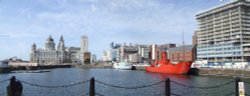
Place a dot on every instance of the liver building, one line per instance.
(49, 55)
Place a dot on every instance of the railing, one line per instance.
(15, 87)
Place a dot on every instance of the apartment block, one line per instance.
(223, 32)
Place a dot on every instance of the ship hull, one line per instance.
(179, 68)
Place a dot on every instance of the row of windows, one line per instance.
(219, 53)
(218, 45)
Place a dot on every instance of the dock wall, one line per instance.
(223, 72)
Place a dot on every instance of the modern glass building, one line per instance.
(223, 33)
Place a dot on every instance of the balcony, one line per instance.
(246, 54)
(246, 49)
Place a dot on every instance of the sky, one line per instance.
(24, 22)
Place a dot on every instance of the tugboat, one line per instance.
(165, 66)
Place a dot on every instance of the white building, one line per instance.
(49, 55)
(223, 32)
(93, 58)
(134, 58)
(84, 48)
(106, 56)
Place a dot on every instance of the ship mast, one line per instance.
(183, 46)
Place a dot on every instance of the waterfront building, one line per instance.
(224, 32)
(143, 51)
(87, 57)
(165, 47)
(154, 53)
(60, 54)
(112, 54)
(135, 53)
(106, 55)
(49, 55)
(126, 50)
(84, 48)
(73, 54)
(134, 58)
(181, 53)
(84, 44)
(156, 50)
(93, 58)
(115, 54)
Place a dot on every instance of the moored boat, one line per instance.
(165, 66)
(122, 65)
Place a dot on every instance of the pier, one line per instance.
(11, 68)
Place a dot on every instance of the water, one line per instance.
(124, 78)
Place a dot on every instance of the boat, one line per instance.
(165, 66)
(122, 65)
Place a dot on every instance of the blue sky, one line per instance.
(24, 22)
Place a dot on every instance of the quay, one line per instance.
(224, 72)
(67, 65)
(12, 68)
(99, 65)
(214, 71)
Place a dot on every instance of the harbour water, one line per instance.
(118, 83)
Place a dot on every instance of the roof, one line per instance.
(187, 48)
(222, 6)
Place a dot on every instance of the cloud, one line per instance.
(104, 21)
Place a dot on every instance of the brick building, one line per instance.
(186, 53)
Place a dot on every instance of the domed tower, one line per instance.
(49, 44)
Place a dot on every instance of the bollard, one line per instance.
(237, 80)
(11, 87)
(15, 88)
(92, 87)
(167, 87)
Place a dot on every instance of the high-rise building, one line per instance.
(223, 31)
(84, 44)
(84, 48)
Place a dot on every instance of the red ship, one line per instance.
(165, 66)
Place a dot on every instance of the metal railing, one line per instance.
(15, 89)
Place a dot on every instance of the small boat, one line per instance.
(122, 65)
(165, 66)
